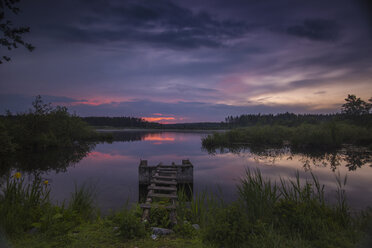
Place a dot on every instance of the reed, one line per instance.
(82, 200)
(21, 203)
(258, 195)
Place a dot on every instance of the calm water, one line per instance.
(113, 168)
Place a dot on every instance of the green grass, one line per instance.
(287, 213)
(323, 136)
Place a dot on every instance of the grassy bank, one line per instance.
(323, 136)
(267, 214)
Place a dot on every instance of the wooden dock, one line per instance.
(162, 185)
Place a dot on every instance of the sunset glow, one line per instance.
(159, 137)
(158, 119)
(234, 58)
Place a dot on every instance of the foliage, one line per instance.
(82, 201)
(45, 138)
(26, 206)
(22, 203)
(355, 110)
(130, 225)
(325, 136)
(185, 229)
(11, 36)
(229, 227)
(160, 217)
(258, 196)
(293, 213)
(46, 127)
(355, 106)
(6, 144)
(119, 122)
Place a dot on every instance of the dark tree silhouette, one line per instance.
(10, 36)
(355, 106)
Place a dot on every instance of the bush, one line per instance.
(323, 136)
(159, 217)
(130, 225)
(22, 204)
(185, 229)
(228, 227)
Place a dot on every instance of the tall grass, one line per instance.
(286, 213)
(258, 195)
(197, 208)
(291, 209)
(22, 203)
(82, 200)
(25, 205)
(324, 136)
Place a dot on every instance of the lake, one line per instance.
(113, 168)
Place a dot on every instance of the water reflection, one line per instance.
(57, 160)
(113, 168)
(353, 157)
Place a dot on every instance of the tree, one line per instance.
(10, 36)
(355, 106)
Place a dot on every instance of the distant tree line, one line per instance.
(354, 110)
(123, 121)
(133, 122)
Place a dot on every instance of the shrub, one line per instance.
(129, 222)
(159, 217)
(227, 227)
(131, 227)
(21, 203)
(82, 201)
(257, 195)
(185, 229)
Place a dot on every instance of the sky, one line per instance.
(190, 61)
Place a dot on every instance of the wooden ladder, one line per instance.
(163, 184)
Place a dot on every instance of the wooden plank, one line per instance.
(165, 177)
(163, 182)
(146, 212)
(166, 166)
(172, 196)
(166, 172)
(149, 206)
(162, 188)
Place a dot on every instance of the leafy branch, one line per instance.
(10, 36)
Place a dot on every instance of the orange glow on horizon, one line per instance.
(158, 137)
(156, 119)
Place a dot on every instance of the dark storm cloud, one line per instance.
(366, 7)
(21, 103)
(162, 23)
(316, 29)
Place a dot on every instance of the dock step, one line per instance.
(162, 188)
(164, 177)
(167, 166)
(163, 182)
(172, 172)
(149, 206)
(172, 196)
